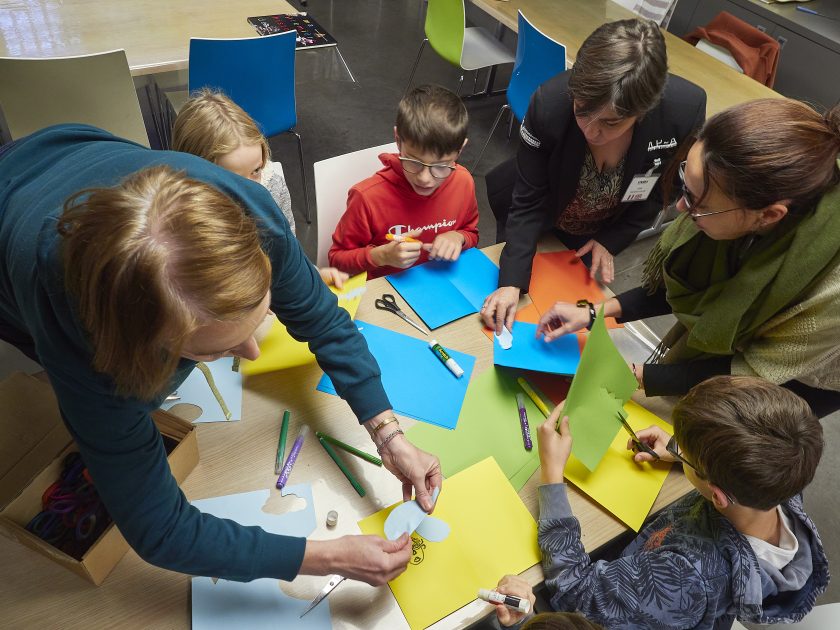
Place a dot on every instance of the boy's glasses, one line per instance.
(690, 202)
(438, 171)
(674, 450)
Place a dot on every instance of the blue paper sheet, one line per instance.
(561, 356)
(195, 391)
(260, 604)
(417, 383)
(441, 292)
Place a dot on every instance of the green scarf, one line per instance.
(722, 292)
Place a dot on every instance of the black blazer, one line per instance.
(551, 154)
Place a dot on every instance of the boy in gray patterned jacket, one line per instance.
(739, 546)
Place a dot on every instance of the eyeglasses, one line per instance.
(438, 171)
(689, 202)
(674, 450)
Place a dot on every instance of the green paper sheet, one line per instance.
(602, 384)
(488, 426)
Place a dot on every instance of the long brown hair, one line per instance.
(151, 259)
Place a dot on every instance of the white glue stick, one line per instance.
(444, 357)
(511, 601)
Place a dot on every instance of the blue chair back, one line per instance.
(538, 58)
(258, 73)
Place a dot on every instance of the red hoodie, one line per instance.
(386, 203)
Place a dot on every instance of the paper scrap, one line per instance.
(195, 391)
(410, 517)
(505, 340)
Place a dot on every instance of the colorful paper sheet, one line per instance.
(417, 383)
(562, 277)
(602, 384)
(529, 352)
(488, 426)
(492, 534)
(625, 488)
(441, 292)
(279, 351)
(195, 391)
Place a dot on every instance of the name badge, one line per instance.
(640, 187)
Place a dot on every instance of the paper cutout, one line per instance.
(279, 351)
(561, 356)
(259, 604)
(492, 533)
(441, 292)
(602, 384)
(410, 517)
(505, 340)
(489, 425)
(626, 488)
(417, 383)
(195, 391)
(562, 277)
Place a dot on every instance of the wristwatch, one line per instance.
(592, 313)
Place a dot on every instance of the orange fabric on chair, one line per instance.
(756, 52)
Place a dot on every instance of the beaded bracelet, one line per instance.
(385, 442)
(384, 422)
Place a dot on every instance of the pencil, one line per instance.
(533, 396)
(342, 467)
(350, 449)
(281, 445)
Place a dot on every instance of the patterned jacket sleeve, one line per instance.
(659, 589)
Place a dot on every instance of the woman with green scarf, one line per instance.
(751, 269)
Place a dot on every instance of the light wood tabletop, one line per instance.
(154, 33)
(239, 457)
(571, 21)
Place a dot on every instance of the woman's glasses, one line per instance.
(674, 450)
(438, 171)
(691, 203)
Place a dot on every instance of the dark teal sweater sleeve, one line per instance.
(116, 436)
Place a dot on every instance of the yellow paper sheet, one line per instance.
(625, 488)
(491, 534)
(279, 351)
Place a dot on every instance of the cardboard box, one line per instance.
(33, 445)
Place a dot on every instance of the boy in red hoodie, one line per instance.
(422, 205)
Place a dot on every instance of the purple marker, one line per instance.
(293, 455)
(523, 422)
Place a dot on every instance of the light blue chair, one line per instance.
(538, 58)
(258, 73)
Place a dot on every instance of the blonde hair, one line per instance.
(148, 262)
(210, 125)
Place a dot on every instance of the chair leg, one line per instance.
(303, 177)
(511, 118)
(475, 81)
(414, 67)
(460, 83)
(492, 129)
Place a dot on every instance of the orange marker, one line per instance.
(400, 238)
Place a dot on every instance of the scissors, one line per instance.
(335, 580)
(388, 303)
(638, 445)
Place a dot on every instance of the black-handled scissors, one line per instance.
(637, 443)
(388, 303)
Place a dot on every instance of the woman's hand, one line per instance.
(555, 447)
(656, 438)
(561, 319)
(513, 585)
(500, 308)
(602, 260)
(368, 559)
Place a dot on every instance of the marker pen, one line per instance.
(293, 455)
(444, 357)
(523, 422)
(511, 601)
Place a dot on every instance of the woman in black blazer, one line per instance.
(593, 143)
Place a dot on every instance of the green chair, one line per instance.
(92, 89)
(470, 48)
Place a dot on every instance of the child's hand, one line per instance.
(446, 246)
(400, 254)
(555, 447)
(513, 585)
(333, 277)
(656, 438)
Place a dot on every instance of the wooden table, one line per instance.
(238, 457)
(571, 21)
(155, 33)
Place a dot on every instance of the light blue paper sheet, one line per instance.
(417, 383)
(195, 391)
(561, 356)
(409, 517)
(260, 604)
(441, 292)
